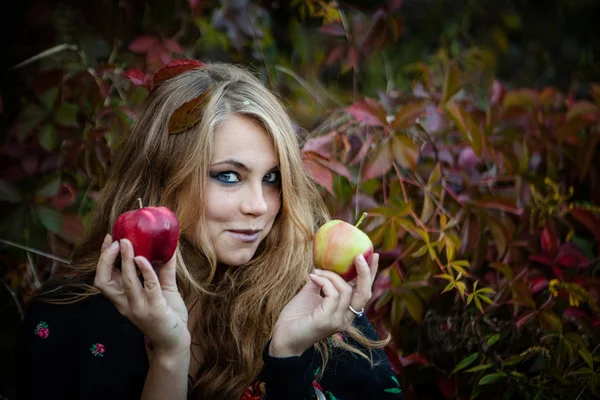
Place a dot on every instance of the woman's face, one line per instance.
(243, 190)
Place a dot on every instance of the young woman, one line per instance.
(239, 312)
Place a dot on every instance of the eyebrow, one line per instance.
(239, 165)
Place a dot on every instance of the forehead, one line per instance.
(245, 140)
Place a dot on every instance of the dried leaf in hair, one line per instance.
(175, 68)
(188, 114)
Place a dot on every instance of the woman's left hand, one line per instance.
(310, 317)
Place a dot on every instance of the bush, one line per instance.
(482, 197)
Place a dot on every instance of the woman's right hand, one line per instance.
(154, 306)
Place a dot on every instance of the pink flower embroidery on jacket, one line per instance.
(97, 349)
(41, 330)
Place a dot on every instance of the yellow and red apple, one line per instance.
(336, 244)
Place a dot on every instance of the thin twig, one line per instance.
(260, 50)
(32, 250)
(45, 53)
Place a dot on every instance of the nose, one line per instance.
(253, 202)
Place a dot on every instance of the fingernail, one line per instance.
(313, 275)
(361, 259)
(106, 239)
(317, 271)
(114, 246)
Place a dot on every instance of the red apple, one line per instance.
(336, 245)
(153, 232)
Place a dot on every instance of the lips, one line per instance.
(245, 235)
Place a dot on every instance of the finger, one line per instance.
(106, 243)
(106, 265)
(373, 267)
(330, 301)
(167, 274)
(362, 291)
(131, 283)
(151, 281)
(343, 288)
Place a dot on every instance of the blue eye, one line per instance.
(225, 177)
(273, 177)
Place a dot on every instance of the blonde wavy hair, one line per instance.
(237, 311)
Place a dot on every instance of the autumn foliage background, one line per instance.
(468, 131)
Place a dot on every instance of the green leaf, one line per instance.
(420, 252)
(397, 311)
(48, 137)
(49, 97)
(451, 82)
(491, 378)
(383, 299)
(465, 362)
(551, 320)
(50, 218)
(408, 115)
(390, 239)
(29, 119)
(493, 340)
(466, 125)
(413, 304)
(9, 192)
(66, 115)
(587, 357)
(405, 151)
(500, 235)
(50, 187)
(513, 360)
(481, 367)
(393, 390)
(504, 269)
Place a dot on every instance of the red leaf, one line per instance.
(447, 387)
(65, 197)
(135, 76)
(574, 312)
(500, 203)
(363, 112)
(412, 359)
(334, 28)
(143, 44)
(394, 5)
(72, 229)
(407, 116)
(175, 67)
(189, 113)
(549, 240)
(322, 145)
(337, 167)
(525, 319)
(542, 258)
(195, 6)
(321, 175)
(379, 163)
(589, 220)
(336, 54)
(538, 284)
(570, 256)
(172, 46)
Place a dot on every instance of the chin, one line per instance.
(236, 260)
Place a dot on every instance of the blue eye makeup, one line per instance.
(273, 177)
(227, 177)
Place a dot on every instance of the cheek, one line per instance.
(273, 199)
(219, 204)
